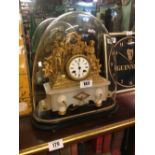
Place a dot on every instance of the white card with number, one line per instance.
(111, 40)
(86, 83)
(55, 145)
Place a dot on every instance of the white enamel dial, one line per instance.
(78, 67)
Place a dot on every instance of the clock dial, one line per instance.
(78, 67)
(124, 51)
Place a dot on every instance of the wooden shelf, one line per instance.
(33, 140)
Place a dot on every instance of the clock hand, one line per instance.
(78, 75)
(79, 68)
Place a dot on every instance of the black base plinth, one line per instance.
(50, 116)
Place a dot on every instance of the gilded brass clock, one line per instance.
(78, 67)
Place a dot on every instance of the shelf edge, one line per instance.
(82, 135)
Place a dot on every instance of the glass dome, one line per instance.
(38, 33)
(70, 54)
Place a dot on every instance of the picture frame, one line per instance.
(122, 45)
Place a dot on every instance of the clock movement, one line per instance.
(68, 80)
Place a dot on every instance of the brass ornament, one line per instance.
(55, 66)
(81, 96)
(62, 113)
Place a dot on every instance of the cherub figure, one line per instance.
(63, 53)
(47, 69)
(90, 52)
(90, 48)
(62, 50)
(58, 54)
(80, 43)
(74, 43)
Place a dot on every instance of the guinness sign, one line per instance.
(121, 53)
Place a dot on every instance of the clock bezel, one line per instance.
(69, 62)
